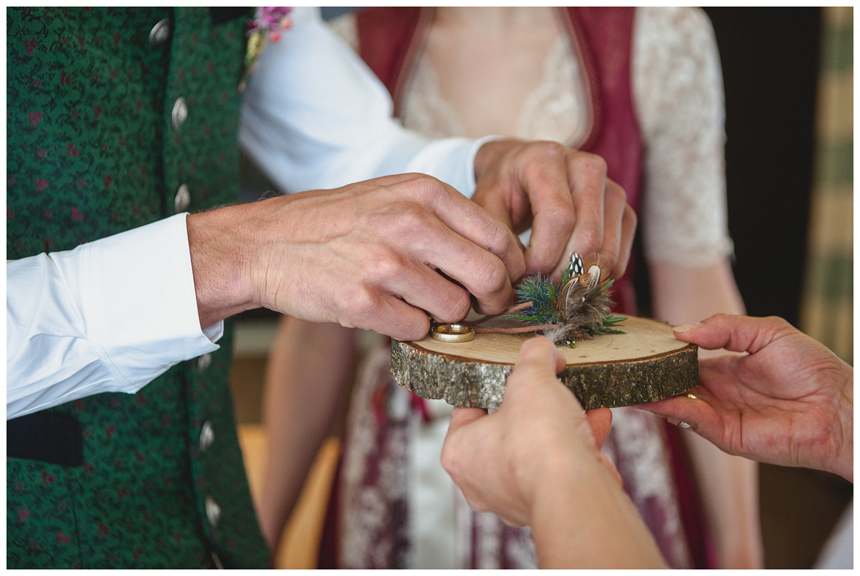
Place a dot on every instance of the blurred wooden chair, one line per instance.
(299, 545)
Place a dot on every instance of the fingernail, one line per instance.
(685, 327)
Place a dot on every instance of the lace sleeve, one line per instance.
(678, 93)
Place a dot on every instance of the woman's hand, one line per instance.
(563, 195)
(789, 401)
(536, 461)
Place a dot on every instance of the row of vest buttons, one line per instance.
(213, 511)
(179, 115)
(158, 36)
(207, 437)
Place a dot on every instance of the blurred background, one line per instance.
(788, 75)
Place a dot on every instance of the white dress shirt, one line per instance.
(113, 314)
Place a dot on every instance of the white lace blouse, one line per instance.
(678, 95)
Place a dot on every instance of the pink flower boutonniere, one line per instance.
(268, 24)
(269, 21)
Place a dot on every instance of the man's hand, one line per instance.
(788, 402)
(378, 255)
(536, 461)
(563, 195)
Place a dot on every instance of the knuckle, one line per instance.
(415, 326)
(407, 214)
(384, 266)
(615, 192)
(589, 241)
(560, 216)
(427, 188)
(779, 323)
(498, 238)
(591, 164)
(545, 152)
(362, 302)
(491, 277)
(406, 220)
(552, 150)
(455, 305)
(630, 216)
(449, 460)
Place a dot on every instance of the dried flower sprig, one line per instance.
(578, 309)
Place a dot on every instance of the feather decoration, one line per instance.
(578, 310)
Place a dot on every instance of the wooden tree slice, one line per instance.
(645, 364)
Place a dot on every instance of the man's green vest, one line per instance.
(117, 118)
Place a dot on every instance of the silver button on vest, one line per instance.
(213, 511)
(207, 436)
(183, 199)
(203, 362)
(180, 113)
(159, 33)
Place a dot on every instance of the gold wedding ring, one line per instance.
(452, 333)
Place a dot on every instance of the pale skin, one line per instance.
(485, 61)
(368, 252)
(729, 484)
(785, 399)
(536, 462)
(364, 255)
(294, 413)
(567, 198)
(574, 201)
(367, 255)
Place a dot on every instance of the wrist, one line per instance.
(581, 518)
(488, 155)
(220, 262)
(845, 460)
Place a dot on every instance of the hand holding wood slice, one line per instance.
(645, 364)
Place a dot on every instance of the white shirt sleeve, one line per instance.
(112, 315)
(315, 116)
(108, 316)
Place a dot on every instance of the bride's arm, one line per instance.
(679, 94)
(308, 372)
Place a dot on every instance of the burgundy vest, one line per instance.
(391, 38)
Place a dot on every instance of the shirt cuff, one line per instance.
(139, 301)
(472, 153)
(451, 160)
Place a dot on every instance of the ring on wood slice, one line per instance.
(645, 364)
